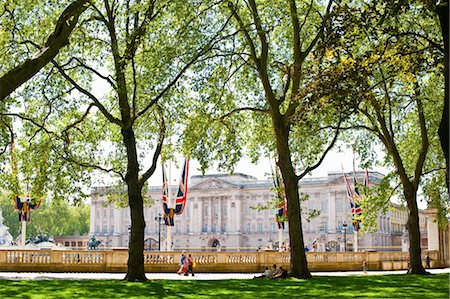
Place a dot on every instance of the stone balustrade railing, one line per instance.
(115, 260)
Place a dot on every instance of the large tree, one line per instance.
(395, 73)
(442, 9)
(260, 95)
(282, 66)
(139, 51)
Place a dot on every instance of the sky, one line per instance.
(261, 170)
(331, 163)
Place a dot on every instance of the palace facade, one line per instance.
(220, 214)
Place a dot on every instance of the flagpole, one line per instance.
(356, 235)
(280, 238)
(169, 204)
(24, 231)
(356, 231)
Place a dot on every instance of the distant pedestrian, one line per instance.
(190, 265)
(364, 266)
(183, 264)
(428, 261)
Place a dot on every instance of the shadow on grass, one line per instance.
(368, 286)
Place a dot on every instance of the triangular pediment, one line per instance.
(214, 184)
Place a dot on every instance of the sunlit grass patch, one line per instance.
(366, 286)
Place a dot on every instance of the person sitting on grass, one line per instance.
(273, 271)
(265, 274)
(282, 273)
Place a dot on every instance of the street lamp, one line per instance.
(345, 236)
(159, 218)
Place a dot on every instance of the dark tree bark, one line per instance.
(58, 39)
(410, 185)
(135, 271)
(412, 225)
(259, 55)
(298, 264)
(442, 12)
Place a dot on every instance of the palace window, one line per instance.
(339, 206)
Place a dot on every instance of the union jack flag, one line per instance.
(353, 196)
(356, 209)
(180, 201)
(168, 218)
(165, 192)
(24, 206)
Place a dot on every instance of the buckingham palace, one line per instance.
(220, 214)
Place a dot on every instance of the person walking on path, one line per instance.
(183, 264)
(190, 265)
(428, 261)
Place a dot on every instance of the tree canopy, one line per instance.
(117, 85)
(396, 69)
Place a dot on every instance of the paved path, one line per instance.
(170, 276)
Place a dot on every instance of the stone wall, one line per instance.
(115, 260)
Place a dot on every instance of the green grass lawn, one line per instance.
(367, 286)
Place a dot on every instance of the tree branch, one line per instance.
(330, 146)
(58, 39)
(29, 119)
(194, 59)
(319, 33)
(424, 144)
(234, 13)
(97, 103)
(260, 31)
(237, 110)
(82, 64)
(133, 100)
(137, 34)
(93, 166)
(83, 117)
(152, 168)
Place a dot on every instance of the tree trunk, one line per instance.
(442, 12)
(299, 264)
(135, 271)
(414, 231)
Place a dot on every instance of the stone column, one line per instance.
(93, 220)
(116, 221)
(191, 215)
(200, 214)
(432, 229)
(210, 214)
(331, 212)
(108, 221)
(230, 222)
(238, 213)
(219, 214)
(101, 218)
